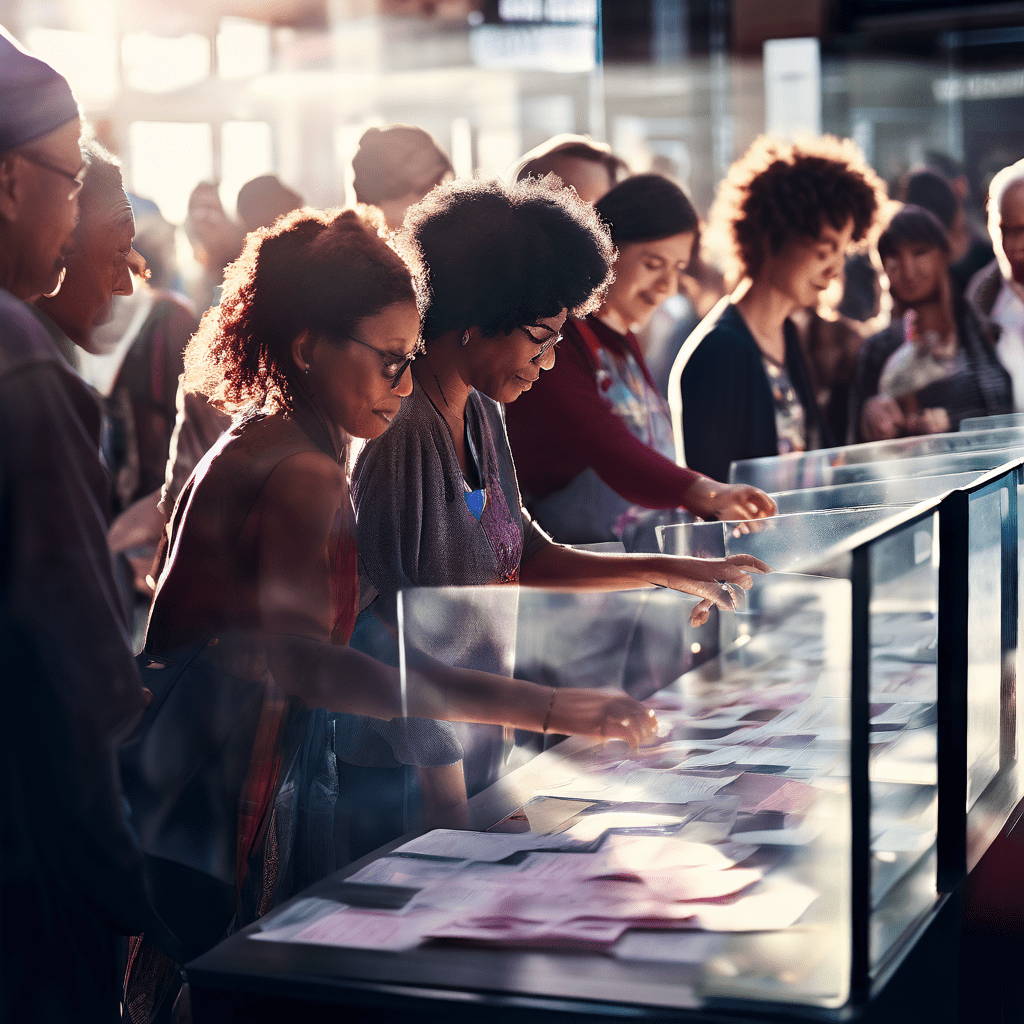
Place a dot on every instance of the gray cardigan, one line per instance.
(414, 529)
(412, 523)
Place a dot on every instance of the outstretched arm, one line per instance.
(300, 521)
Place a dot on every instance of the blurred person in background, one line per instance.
(216, 240)
(969, 250)
(71, 875)
(261, 201)
(592, 439)
(589, 167)
(395, 167)
(740, 387)
(997, 291)
(935, 364)
(134, 369)
(196, 423)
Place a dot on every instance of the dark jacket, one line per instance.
(728, 413)
(71, 874)
(982, 293)
(985, 391)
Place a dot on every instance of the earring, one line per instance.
(306, 368)
(465, 337)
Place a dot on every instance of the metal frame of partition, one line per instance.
(953, 659)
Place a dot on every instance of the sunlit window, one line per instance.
(247, 150)
(88, 60)
(168, 159)
(243, 48)
(155, 64)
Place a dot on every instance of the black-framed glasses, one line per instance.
(394, 369)
(77, 179)
(544, 345)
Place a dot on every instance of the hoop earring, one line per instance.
(465, 337)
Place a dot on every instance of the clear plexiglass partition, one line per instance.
(815, 788)
(1009, 419)
(815, 469)
(788, 542)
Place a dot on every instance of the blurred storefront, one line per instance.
(191, 90)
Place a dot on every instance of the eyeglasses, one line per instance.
(544, 345)
(77, 179)
(394, 369)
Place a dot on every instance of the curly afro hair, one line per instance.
(312, 270)
(501, 256)
(779, 191)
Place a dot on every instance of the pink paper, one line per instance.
(772, 793)
(362, 929)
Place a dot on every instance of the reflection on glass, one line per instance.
(788, 543)
(902, 766)
(736, 820)
(810, 469)
(880, 492)
(1010, 419)
(984, 638)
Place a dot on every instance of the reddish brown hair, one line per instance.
(778, 191)
(317, 270)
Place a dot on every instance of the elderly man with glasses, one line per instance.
(71, 877)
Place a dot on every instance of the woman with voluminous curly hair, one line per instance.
(309, 348)
(739, 388)
(437, 501)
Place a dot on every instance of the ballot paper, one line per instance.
(784, 757)
(794, 832)
(366, 929)
(495, 846)
(582, 933)
(658, 853)
(775, 904)
(645, 785)
(484, 846)
(406, 871)
(773, 793)
(289, 921)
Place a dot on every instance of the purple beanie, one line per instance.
(36, 99)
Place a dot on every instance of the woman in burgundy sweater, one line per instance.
(593, 438)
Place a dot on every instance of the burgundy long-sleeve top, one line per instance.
(563, 425)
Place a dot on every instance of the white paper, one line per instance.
(365, 929)
(406, 871)
(667, 787)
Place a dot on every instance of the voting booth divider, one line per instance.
(833, 759)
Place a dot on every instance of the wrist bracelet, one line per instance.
(551, 704)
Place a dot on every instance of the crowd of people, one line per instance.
(445, 385)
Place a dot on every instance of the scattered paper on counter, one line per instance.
(365, 929)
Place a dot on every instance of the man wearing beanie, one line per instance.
(71, 875)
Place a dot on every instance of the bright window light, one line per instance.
(155, 64)
(243, 48)
(168, 160)
(88, 60)
(247, 151)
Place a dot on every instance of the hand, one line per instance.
(711, 579)
(934, 421)
(609, 716)
(881, 419)
(710, 499)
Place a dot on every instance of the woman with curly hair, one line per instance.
(593, 439)
(309, 348)
(739, 388)
(437, 500)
